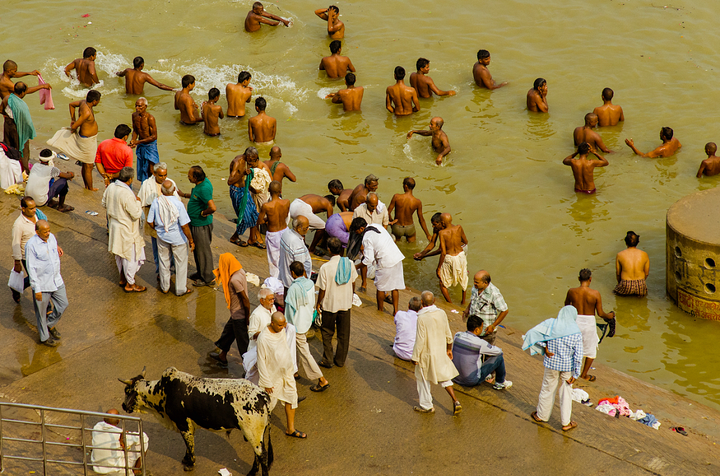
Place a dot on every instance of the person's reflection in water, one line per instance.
(539, 127)
(585, 211)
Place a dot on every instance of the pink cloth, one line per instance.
(618, 404)
(45, 95)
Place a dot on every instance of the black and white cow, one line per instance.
(181, 402)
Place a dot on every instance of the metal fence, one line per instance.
(14, 437)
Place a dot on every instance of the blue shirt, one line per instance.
(467, 352)
(173, 234)
(292, 248)
(568, 352)
(43, 264)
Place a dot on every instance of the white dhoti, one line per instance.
(454, 271)
(300, 208)
(250, 357)
(128, 267)
(276, 366)
(589, 335)
(272, 242)
(389, 279)
(74, 145)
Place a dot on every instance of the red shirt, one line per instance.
(114, 154)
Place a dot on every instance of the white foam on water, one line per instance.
(408, 152)
(325, 91)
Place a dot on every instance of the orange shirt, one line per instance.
(114, 154)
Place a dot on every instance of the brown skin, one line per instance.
(587, 301)
(262, 128)
(428, 251)
(7, 86)
(211, 114)
(43, 231)
(274, 212)
(583, 168)
(440, 141)
(239, 168)
(667, 149)
(481, 285)
(425, 86)
(350, 98)
(184, 103)
(237, 96)
(185, 228)
(609, 114)
(401, 100)
(537, 99)
(135, 79)
(322, 381)
(452, 239)
(245, 303)
(343, 198)
(319, 204)
(709, 166)
(482, 75)
(321, 294)
(587, 134)
(632, 264)
(257, 16)
(144, 128)
(85, 68)
(405, 205)
(87, 127)
(107, 177)
(25, 159)
(335, 28)
(336, 66)
(359, 194)
(282, 171)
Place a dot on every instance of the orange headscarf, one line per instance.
(227, 266)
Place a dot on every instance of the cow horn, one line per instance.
(126, 382)
(143, 372)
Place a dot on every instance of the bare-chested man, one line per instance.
(189, 114)
(212, 113)
(85, 68)
(405, 205)
(274, 214)
(335, 28)
(452, 266)
(423, 84)
(336, 66)
(608, 114)
(278, 170)
(667, 149)
(10, 71)
(482, 75)
(135, 78)
(241, 190)
(587, 134)
(537, 96)
(258, 15)
(359, 193)
(262, 128)
(144, 139)
(587, 301)
(343, 195)
(437, 225)
(400, 99)
(309, 206)
(711, 165)
(583, 168)
(440, 141)
(238, 95)
(351, 97)
(632, 267)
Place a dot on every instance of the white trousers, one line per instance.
(423, 388)
(312, 371)
(551, 380)
(180, 255)
(130, 267)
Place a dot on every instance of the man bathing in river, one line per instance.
(189, 114)
(238, 95)
(608, 114)
(452, 266)
(437, 225)
(262, 128)
(343, 195)
(85, 68)
(278, 170)
(336, 66)
(711, 165)
(10, 71)
(583, 167)
(335, 28)
(144, 139)
(482, 75)
(274, 213)
(537, 96)
(440, 141)
(351, 97)
(359, 194)
(258, 15)
(400, 99)
(632, 267)
(309, 206)
(667, 149)
(135, 78)
(405, 205)
(423, 84)
(212, 113)
(587, 134)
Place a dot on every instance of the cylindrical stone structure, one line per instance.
(693, 254)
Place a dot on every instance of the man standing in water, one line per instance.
(583, 168)
(711, 165)
(135, 78)
(278, 170)
(482, 75)
(440, 141)
(359, 193)
(351, 97)
(212, 113)
(85, 68)
(10, 71)
(587, 301)
(423, 84)
(537, 96)
(335, 28)
(632, 267)
(400, 99)
(336, 66)
(452, 266)
(144, 139)
(258, 15)
(405, 205)
(587, 134)
(262, 128)
(608, 114)
(238, 94)
(189, 114)
(667, 149)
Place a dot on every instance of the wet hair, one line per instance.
(474, 322)
(335, 46)
(409, 182)
(89, 51)
(244, 75)
(8, 65)
(415, 303)
(350, 79)
(297, 268)
(122, 130)
(260, 103)
(214, 93)
(607, 94)
(275, 187)
(138, 61)
(187, 80)
(331, 198)
(538, 83)
(198, 174)
(126, 174)
(257, 4)
(334, 246)
(251, 151)
(399, 73)
(46, 153)
(482, 54)
(632, 238)
(584, 148)
(333, 7)
(20, 87)
(421, 63)
(437, 218)
(25, 199)
(335, 184)
(667, 133)
(371, 178)
(357, 223)
(710, 148)
(93, 96)
(585, 274)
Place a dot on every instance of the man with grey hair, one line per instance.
(292, 248)
(149, 191)
(125, 239)
(359, 193)
(406, 328)
(144, 139)
(168, 217)
(373, 211)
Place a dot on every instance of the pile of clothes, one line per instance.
(618, 407)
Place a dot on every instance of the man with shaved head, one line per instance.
(587, 134)
(608, 114)
(144, 139)
(487, 303)
(405, 205)
(432, 354)
(110, 444)
(274, 215)
(278, 170)
(440, 141)
(711, 165)
(292, 248)
(10, 71)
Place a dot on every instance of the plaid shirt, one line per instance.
(568, 352)
(488, 304)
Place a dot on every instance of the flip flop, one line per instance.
(535, 417)
(135, 289)
(65, 208)
(569, 427)
(679, 429)
(296, 434)
(319, 388)
(457, 408)
(258, 245)
(591, 378)
(242, 244)
(189, 290)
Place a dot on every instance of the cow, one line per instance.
(181, 402)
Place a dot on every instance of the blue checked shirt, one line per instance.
(568, 352)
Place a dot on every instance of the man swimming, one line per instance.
(608, 114)
(336, 66)
(583, 167)
(189, 114)
(587, 134)
(440, 141)
(262, 128)
(335, 28)
(405, 205)
(537, 96)
(135, 78)
(423, 84)
(400, 99)
(667, 149)
(711, 165)
(238, 95)
(482, 75)
(258, 15)
(85, 68)
(351, 97)
(212, 113)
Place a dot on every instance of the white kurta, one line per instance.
(275, 366)
(259, 320)
(124, 213)
(431, 341)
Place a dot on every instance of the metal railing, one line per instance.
(46, 444)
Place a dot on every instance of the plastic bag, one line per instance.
(16, 281)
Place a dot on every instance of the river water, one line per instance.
(504, 181)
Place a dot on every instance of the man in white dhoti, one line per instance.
(380, 250)
(125, 240)
(149, 191)
(273, 215)
(292, 248)
(259, 320)
(276, 370)
(432, 354)
(111, 443)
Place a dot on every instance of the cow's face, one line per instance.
(132, 400)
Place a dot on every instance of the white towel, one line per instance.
(168, 212)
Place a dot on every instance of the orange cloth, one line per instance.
(227, 266)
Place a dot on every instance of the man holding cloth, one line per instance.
(19, 128)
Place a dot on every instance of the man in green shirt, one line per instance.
(200, 209)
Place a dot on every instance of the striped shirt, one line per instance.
(568, 352)
(467, 352)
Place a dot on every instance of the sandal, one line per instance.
(296, 434)
(677, 429)
(65, 208)
(319, 388)
(135, 289)
(259, 245)
(457, 408)
(591, 378)
(535, 417)
(569, 427)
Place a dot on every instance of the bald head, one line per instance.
(275, 152)
(275, 188)
(481, 280)
(427, 298)
(278, 318)
(710, 148)
(371, 201)
(590, 119)
(167, 188)
(438, 122)
(446, 219)
(112, 421)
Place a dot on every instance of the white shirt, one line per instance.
(337, 297)
(39, 182)
(406, 325)
(43, 264)
(380, 248)
(378, 217)
(259, 320)
(113, 454)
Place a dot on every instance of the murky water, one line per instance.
(504, 182)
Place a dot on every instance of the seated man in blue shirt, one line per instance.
(468, 350)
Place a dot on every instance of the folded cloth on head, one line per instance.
(45, 95)
(23, 121)
(76, 146)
